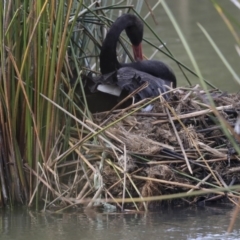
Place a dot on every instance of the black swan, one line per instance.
(157, 73)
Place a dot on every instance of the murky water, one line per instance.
(206, 223)
(188, 13)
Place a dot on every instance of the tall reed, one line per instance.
(34, 39)
(45, 45)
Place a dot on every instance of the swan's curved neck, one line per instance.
(108, 55)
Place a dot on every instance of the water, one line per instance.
(188, 13)
(206, 223)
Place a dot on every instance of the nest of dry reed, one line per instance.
(177, 147)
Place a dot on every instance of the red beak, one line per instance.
(137, 52)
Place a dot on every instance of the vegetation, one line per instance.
(45, 46)
(35, 38)
(53, 150)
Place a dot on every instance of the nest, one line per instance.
(179, 147)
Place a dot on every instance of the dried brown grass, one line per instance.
(132, 156)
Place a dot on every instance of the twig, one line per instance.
(201, 182)
(124, 174)
(179, 141)
(194, 114)
(48, 186)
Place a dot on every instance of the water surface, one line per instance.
(191, 223)
(187, 14)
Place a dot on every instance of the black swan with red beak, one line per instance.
(157, 73)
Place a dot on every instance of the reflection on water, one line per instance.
(206, 223)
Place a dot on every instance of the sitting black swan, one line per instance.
(136, 73)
